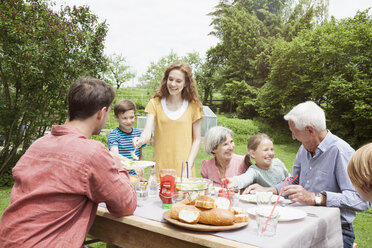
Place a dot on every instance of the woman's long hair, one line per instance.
(189, 92)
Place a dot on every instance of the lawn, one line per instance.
(286, 153)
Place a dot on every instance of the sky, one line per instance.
(143, 31)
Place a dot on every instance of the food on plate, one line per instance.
(134, 179)
(241, 218)
(136, 164)
(218, 214)
(217, 217)
(189, 214)
(222, 202)
(134, 156)
(204, 201)
(176, 208)
(237, 210)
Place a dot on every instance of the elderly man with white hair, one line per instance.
(321, 166)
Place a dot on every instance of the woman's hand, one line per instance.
(137, 142)
(251, 189)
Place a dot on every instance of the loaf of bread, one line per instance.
(204, 201)
(222, 202)
(241, 218)
(189, 214)
(237, 210)
(176, 208)
(217, 217)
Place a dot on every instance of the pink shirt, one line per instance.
(234, 168)
(58, 183)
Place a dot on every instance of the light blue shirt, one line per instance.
(326, 172)
(266, 178)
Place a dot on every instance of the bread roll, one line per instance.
(189, 214)
(217, 217)
(204, 201)
(241, 218)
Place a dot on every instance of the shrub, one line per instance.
(101, 137)
(243, 129)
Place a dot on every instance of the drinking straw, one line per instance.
(225, 182)
(277, 200)
(187, 169)
(181, 171)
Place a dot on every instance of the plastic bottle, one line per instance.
(153, 184)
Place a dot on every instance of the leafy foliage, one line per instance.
(41, 53)
(331, 66)
(155, 72)
(248, 31)
(117, 71)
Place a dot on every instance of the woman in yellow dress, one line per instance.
(176, 111)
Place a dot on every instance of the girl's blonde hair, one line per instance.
(253, 142)
(189, 92)
(360, 168)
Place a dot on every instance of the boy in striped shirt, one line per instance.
(120, 139)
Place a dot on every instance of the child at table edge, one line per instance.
(267, 171)
(120, 139)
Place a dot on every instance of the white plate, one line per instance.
(252, 198)
(137, 164)
(285, 213)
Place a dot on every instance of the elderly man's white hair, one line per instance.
(215, 136)
(307, 113)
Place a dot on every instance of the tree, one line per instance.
(41, 53)
(117, 72)
(331, 66)
(248, 31)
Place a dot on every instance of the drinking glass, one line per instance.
(142, 193)
(264, 196)
(262, 215)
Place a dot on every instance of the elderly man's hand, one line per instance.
(297, 193)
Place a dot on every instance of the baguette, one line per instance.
(237, 210)
(189, 214)
(241, 218)
(223, 203)
(204, 201)
(217, 217)
(176, 208)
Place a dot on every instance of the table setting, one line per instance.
(272, 219)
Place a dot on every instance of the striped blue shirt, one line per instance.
(124, 143)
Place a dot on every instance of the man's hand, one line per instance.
(297, 193)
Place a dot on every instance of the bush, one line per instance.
(101, 137)
(244, 129)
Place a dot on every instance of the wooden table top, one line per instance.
(134, 231)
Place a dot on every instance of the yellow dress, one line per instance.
(173, 138)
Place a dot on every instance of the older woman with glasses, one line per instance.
(219, 143)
